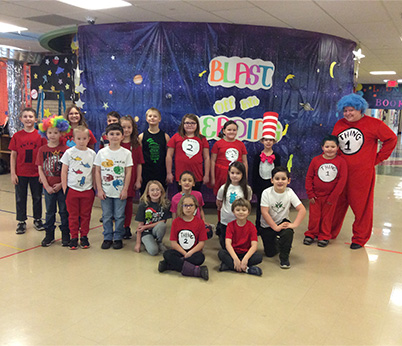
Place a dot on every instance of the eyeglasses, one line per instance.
(188, 205)
(190, 123)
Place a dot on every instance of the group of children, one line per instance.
(71, 172)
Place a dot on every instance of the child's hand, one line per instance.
(243, 265)
(56, 187)
(101, 195)
(212, 182)
(14, 178)
(137, 185)
(123, 195)
(205, 180)
(169, 178)
(49, 189)
(137, 247)
(237, 265)
(312, 200)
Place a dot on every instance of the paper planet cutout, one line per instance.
(137, 79)
(359, 87)
(136, 119)
(34, 94)
(110, 92)
(168, 96)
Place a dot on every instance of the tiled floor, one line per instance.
(330, 296)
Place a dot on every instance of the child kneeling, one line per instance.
(241, 242)
(187, 236)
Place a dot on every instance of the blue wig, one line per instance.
(352, 100)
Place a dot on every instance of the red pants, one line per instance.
(128, 212)
(221, 175)
(320, 219)
(359, 194)
(79, 207)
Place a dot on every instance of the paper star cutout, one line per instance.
(79, 71)
(49, 73)
(68, 74)
(67, 86)
(44, 79)
(80, 89)
(47, 61)
(60, 81)
(40, 87)
(105, 105)
(52, 88)
(113, 57)
(66, 60)
(35, 76)
(47, 113)
(358, 54)
(79, 103)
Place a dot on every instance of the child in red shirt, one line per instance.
(24, 146)
(111, 118)
(75, 117)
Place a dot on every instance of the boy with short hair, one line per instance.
(49, 165)
(111, 118)
(113, 172)
(325, 180)
(77, 182)
(24, 146)
(241, 242)
(154, 149)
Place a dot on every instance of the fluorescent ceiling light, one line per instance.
(5, 27)
(97, 4)
(378, 73)
(3, 46)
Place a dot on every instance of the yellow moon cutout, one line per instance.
(331, 69)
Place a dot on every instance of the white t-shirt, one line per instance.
(278, 204)
(80, 164)
(233, 193)
(113, 164)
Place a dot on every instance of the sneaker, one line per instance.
(118, 244)
(47, 241)
(204, 272)
(65, 239)
(254, 270)
(308, 241)
(323, 243)
(38, 225)
(101, 220)
(106, 244)
(162, 266)
(127, 234)
(210, 231)
(21, 227)
(84, 242)
(223, 267)
(285, 264)
(162, 247)
(73, 245)
(355, 246)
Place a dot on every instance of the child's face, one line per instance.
(241, 213)
(112, 120)
(190, 126)
(81, 139)
(28, 119)
(187, 182)
(53, 135)
(280, 181)
(114, 136)
(268, 143)
(230, 132)
(188, 207)
(74, 117)
(235, 175)
(330, 149)
(127, 128)
(154, 192)
(153, 118)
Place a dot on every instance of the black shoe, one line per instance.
(162, 266)
(323, 243)
(355, 246)
(308, 241)
(73, 245)
(285, 264)
(254, 270)
(47, 241)
(38, 225)
(118, 244)
(204, 272)
(101, 220)
(21, 227)
(84, 242)
(223, 267)
(65, 238)
(127, 234)
(106, 244)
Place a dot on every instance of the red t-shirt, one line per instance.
(188, 234)
(27, 145)
(138, 159)
(228, 152)
(68, 140)
(188, 155)
(241, 236)
(49, 159)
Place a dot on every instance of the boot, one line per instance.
(190, 269)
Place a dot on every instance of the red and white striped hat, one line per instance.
(269, 123)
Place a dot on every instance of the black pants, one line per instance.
(175, 259)
(21, 195)
(275, 242)
(225, 257)
(221, 228)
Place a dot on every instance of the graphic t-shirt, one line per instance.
(27, 145)
(151, 213)
(80, 164)
(154, 151)
(50, 161)
(113, 164)
(188, 234)
(228, 152)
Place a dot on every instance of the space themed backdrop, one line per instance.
(219, 72)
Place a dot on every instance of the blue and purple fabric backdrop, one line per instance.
(219, 71)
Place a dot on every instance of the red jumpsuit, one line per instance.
(325, 181)
(358, 142)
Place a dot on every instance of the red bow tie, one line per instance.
(269, 158)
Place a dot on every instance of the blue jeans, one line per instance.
(51, 201)
(113, 208)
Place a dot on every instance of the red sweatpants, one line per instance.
(359, 194)
(79, 207)
(320, 219)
